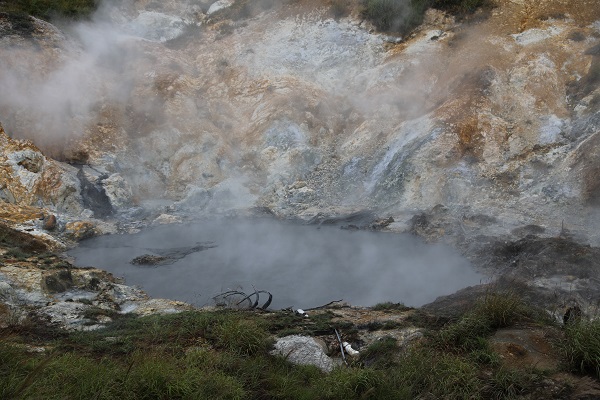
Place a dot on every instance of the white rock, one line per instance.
(303, 350)
(219, 5)
(118, 191)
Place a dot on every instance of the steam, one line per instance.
(302, 266)
(200, 106)
(53, 93)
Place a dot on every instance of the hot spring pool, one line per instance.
(302, 266)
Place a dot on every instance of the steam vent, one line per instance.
(347, 172)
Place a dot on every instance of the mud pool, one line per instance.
(302, 266)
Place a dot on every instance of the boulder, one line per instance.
(303, 350)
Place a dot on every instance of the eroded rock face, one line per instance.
(45, 198)
(497, 118)
(30, 179)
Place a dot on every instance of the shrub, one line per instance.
(399, 16)
(389, 306)
(17, 253)
(508, 383)
(47, 9)
(495, 310)
(459, 6)
(339, 8)
(351, 383)
(466, 335)
(402, 16)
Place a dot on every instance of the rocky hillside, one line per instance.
(475, 129)
(494, 116)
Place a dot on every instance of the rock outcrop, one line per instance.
(495, 116)
(28, 178)
(35, 284)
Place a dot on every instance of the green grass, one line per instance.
(49, 9)
(225, 355)
(381, 354)
(389, 306)
(495, 310)
(17, 253)
(580, 347)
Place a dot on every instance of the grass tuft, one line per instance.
(389, 306)
(243, 337)
(502, 309)
(580, 347)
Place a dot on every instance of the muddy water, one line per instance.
(302, 266)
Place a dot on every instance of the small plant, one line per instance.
(399, 16)
(402, 16)
(226, 29)
(381, 354)
(389, 306)
(17, 253)
(501, 309)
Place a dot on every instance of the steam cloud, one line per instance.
(54, 92)
(301, 266)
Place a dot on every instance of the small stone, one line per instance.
(49, 222)
(164, 219)
(148, 259)
(80, 230)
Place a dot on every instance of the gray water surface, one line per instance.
(303, 266)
